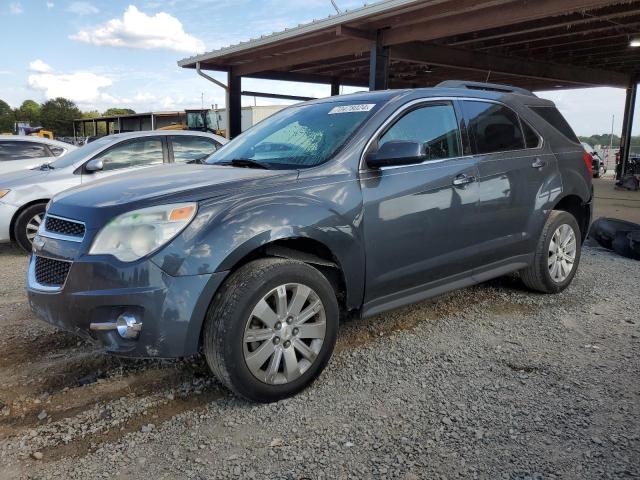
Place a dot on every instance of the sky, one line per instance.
(103, 54)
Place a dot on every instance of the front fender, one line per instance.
(223, 234)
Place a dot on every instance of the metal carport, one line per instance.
(542, 44)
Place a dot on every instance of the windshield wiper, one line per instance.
(47, 166)
(244, 163)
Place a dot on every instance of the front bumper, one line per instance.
(6, 214)
(99, 289)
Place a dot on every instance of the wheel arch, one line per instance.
(19, 211)
(581, 211)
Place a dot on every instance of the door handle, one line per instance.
(538, 163)
(463, 179)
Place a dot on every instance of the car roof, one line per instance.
(155, 133)
(383, 96)
(30, 138)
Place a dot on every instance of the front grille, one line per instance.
(64, 227)
(51, 273)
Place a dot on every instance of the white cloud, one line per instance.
(82, 8)
(50, 5)
(82, 87)
(15, 8)
(39, 66)
(136, 29)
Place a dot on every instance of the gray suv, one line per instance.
(350, 205)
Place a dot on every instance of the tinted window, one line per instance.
(531, 138)
(189, 149)
(555, 118)
(435, 126)
(15, 150)
(492, 127)
(134, 153)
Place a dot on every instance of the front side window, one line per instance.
(192, 149)
(435, 126)
(492, 127)
(16, 150)
(134, 153)
(298, 137)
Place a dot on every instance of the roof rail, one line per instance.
(493, 87)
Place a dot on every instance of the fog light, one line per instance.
(128, 326)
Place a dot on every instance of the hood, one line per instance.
(22, 177)
(159, 185)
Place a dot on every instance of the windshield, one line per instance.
(81, 153)
(299, 137)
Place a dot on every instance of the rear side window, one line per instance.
(531, 137)
(57, 151)
(492, 127)
(557, 121)
(191, 149)
(12, 150)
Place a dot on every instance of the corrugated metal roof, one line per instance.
(347, 16)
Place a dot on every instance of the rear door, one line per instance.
(418, 219)
(127, 156)
(512, 168)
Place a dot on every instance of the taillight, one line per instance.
(588, 161)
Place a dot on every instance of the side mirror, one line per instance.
(94, 165)
(396, 152)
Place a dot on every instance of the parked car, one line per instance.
(598, 167)
(350, 205)
(21, 152)
(24, 194)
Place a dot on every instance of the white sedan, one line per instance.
(24, 194)
(20, 152)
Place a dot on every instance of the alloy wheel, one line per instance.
(562, 253)
(32, 226)
(284, 333)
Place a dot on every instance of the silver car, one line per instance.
(24, 194)
(20, 152)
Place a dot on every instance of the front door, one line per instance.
(419, 219)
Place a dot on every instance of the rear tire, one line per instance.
(25, 226)
(553, 270)
(235, 333)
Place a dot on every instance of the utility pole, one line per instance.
(613, 117)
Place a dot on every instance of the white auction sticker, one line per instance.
(362, 107)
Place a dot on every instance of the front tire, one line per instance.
(271, 329)
(557, 255)
(27, 223)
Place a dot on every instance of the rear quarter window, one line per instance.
(554, 118)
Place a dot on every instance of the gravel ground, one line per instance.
(488, 382)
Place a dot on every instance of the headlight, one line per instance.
(4, 192)
(135, 234)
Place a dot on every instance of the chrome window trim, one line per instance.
(43, 232)
(31, 275)
(362, 166)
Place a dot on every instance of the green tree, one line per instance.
(29, 111)
(7, 117)
(58, 114)
(112, 112)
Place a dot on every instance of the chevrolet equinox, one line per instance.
(349, 205)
